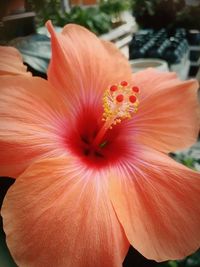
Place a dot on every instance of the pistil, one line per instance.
(120, 102)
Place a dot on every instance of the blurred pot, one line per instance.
(143, 63)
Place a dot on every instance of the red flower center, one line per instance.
(98, 137)
(112, 148)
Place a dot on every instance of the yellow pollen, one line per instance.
(119, 103)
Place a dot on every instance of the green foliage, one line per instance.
(190, 159)
(190, 261)
(169, 264)
(172, 264)
(46, 9)
(113, 7)
(186, 160)
(144, 6)
(92, 18)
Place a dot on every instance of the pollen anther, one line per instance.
(120, 102)
(132, 98)
(119, 98)
(124, 83)
(135, 89)
(113, 88)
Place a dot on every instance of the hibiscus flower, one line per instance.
(89, 148)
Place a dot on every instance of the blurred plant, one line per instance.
(166, 13)
(92, 18)
(169, 264)
(185, 159)
(188, 17)
(172, 264)
(114, 8)
(46, 9)
(189, 158)
(156, 13)
(190, 261)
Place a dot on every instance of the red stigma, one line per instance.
(132, 98)
(119, 98)
(124, 83)
(135, 89)
(113, 88)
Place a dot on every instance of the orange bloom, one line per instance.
(87, 188)
(11, 62)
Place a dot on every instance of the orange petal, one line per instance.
(83, 66)
(11, 62)
(151, 81)
(123, 70)
(59, 214)
(157, 202)
(168, 118)
(32, 120)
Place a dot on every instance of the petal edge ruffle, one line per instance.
(32, 122)
(58, 214)
(11, 62)
(169, 118)
(82, 66)
(157, 202)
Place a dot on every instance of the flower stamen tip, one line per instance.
(120, 102)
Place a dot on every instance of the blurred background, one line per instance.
(164, 34)
(167, 31)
